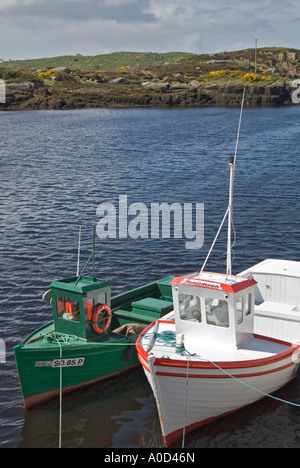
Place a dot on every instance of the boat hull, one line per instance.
(190, 394)
(45, 371)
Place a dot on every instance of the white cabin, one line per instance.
(213, 308)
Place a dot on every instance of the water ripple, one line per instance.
(56, 168)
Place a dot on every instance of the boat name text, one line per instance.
(78, 362)
(202, 284)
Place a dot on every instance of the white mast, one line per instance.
(232, 163)
(230, 215)
(229, 211)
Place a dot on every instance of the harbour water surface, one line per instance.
(57, 167)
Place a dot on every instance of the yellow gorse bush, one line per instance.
(218, 72)
(229, 73)
(236, 74)
(255, 77)
(47, 74)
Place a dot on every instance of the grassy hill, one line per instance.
(99, 62)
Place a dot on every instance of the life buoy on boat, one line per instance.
(103, 311)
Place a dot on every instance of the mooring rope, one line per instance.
(60, 394)
(65, 340)
(186, 400)
(188, 355)
(61, 339)
(253, 388)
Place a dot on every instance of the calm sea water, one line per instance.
(57, 167)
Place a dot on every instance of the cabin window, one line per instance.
(248, 305)
(239, 309)
(88, 307)
(68, 308)
(217, 312)
(91, 301)
(190, 308)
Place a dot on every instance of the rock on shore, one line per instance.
(126, 94)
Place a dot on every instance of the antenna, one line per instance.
(229, 211)
(94, 251)
(92, 256)
(78, 258)
(232, 163)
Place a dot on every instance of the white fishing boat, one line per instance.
(207, 359)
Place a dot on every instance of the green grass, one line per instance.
(99, 62)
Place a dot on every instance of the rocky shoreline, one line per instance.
(39, 96)
(152, 80)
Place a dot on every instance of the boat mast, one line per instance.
(232, 163)
(229, 211)
(230, 215)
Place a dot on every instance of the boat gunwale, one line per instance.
(193, 364)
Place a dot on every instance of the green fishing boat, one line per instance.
(91, 337)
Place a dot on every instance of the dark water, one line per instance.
(57, 167)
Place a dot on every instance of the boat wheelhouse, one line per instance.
(75, 302)
(212, 307)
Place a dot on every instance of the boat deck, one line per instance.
(253, 349)
(46, 334)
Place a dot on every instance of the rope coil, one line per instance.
(59, 338)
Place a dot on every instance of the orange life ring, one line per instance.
(107, 320)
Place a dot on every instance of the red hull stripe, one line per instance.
(225, 376)
(225, 365)
(144, 363)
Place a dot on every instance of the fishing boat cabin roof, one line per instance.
(214, 308)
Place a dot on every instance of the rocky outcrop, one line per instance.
(147, 94)
(230, 95)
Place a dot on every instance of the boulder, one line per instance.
(120, 80)
(62, 70)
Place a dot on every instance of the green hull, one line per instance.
(46, 367)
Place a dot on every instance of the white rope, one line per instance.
(186, 400)
(60, 394)
(239, 129)
(244, 383)
(63, 339)
(215, 240)
(253, 388)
